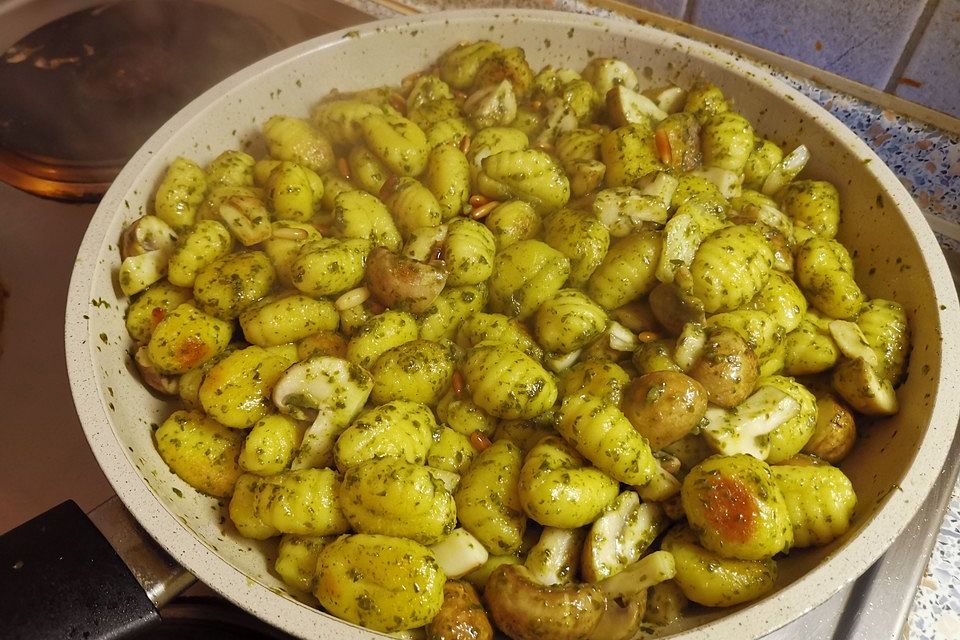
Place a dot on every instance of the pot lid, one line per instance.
(79, 95)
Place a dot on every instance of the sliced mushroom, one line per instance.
(853, 344)
(140, 271)
(461, 617)
(560, 119)
(626, 106)
(247, 219)
(624, 210)
(332, 388)
(835, 432)
(626, 596)
(145, 247)
(729, 183)
(620, 536)
(146, 234)
(400, 282)
(745, 428)
(664, 406)
(670, 99)
(554, 559)
(459, 553)
(493, 106)
(727, 367)
(861, 386)
(786, 170)
(524, 609)
(448, 479)
(167, 385)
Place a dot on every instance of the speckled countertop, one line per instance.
(927, 161)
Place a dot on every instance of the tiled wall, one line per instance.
(907, 47)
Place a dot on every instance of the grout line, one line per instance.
(784, 64)
(911, 46)
(688, 11)
(944, 227)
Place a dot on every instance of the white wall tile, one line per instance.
(932, 76)
(862, 40)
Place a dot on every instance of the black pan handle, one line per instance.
(62, 577)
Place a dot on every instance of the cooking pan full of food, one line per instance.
(514, 322)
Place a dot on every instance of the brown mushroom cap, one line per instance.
(664, 406)
(727, 368)
(526, 610)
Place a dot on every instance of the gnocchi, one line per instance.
(506, 325)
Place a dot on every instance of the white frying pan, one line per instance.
(893, 467)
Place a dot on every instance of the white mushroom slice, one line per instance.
(662, 485)
(690, 345)
(521, 607)
(335, 389)
(626, 106)
(554, 559)
(620, 536)
(560, 118)
(629, 587)
(787, 169)
(623, 210)
(729, 183)
(745, 428)
(859, 384)
(681, 238)
(562, 362)
(494, 106)
(606, 73)
(459, 553)
(140, 271)
(670, 99)
(661, 186)
(165, 384)
(146, 234)
(448, 479)
(621, 338)
(852, 343)
(423, 242)
(770, 216)
(247, 219)
(652, 569)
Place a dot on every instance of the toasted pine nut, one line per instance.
(343, 168)
(352, 298)
(480, 441)
(290, 233)
(648, 336)
(465, 144)
(478, 200)
(663, 146)
(483, 211)
(457, 383)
